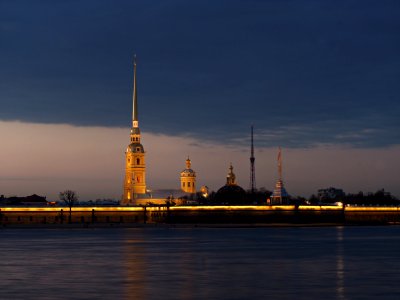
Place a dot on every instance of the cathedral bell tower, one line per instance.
(135, 166)
(188, 178)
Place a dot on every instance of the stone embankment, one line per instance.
(250, 215)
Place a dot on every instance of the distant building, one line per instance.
(32, 200)
(204, 191)
(330, 194)
(166, 197)
(279, 195)
(135, 165)
(188, 178)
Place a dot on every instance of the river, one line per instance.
(201, 263)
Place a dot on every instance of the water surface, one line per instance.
(201, 263)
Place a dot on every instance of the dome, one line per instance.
(188, 172)
(230, 194)
(135, 148)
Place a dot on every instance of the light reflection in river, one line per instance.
(340, 264)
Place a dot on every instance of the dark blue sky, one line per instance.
(303, 72)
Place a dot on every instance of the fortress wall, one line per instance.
(201, 215)
(61, 216)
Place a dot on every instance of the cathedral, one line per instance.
(135, 191)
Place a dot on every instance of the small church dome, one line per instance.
(188, 178)
(188, 171)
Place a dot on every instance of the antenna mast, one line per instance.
(252, 167)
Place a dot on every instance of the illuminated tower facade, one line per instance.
(135, 164)
(188, 178)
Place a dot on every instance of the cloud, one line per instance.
(303, 72)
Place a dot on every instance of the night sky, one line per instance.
(305, 73)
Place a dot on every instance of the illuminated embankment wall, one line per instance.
(200, 215)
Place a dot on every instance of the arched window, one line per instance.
(138, 161)
(188, 184)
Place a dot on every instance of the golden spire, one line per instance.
(135, 121)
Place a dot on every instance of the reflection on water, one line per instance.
(134, 268)
(200, 263)
(340, 264)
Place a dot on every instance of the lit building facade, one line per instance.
(135, 164)
(188, 178)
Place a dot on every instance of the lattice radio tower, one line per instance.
(252, 167)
